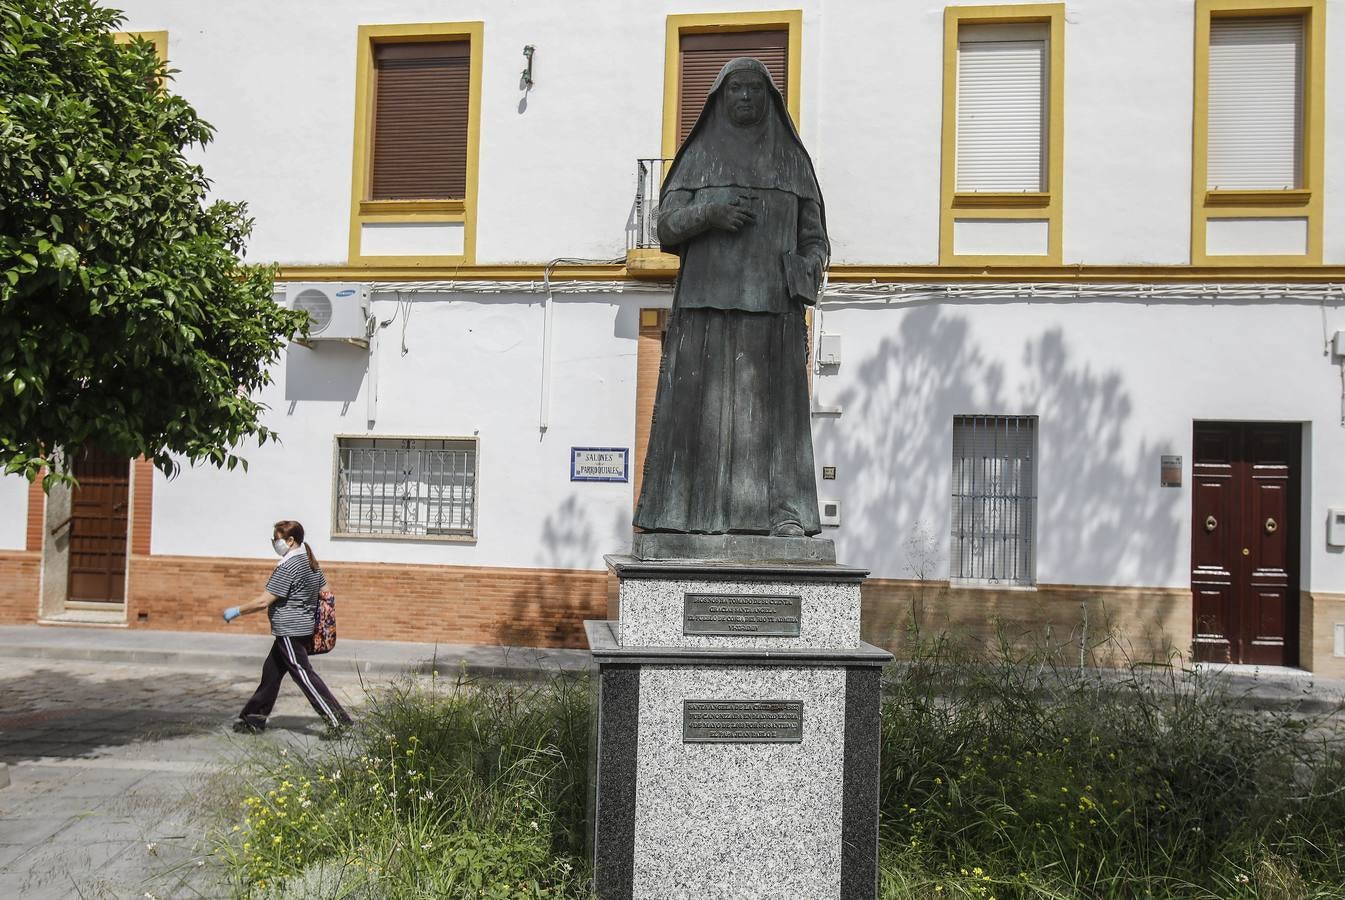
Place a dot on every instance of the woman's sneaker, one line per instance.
(250, 724)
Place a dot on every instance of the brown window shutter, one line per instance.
(420, 121)
(703, 55)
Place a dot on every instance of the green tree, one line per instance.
(128, 320)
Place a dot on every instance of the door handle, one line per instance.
(1271, 526)
(1246, 551)
(1211, 523)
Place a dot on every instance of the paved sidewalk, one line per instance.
(111, 738)
(244, 652)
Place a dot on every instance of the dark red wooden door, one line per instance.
(1244, 542)
(98, 528)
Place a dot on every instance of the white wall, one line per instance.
(472, 367)
(13, 512)
(557, 174)
(1116, 385)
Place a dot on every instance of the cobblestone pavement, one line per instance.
(107, 764)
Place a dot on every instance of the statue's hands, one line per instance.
(731, 215)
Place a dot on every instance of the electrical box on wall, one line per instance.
(1335, 526)
(830, 512)
(829, 350)
(1338, 343)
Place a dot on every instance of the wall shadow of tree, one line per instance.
(1099, 510)
(549, 608)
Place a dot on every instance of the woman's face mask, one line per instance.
(280, 546)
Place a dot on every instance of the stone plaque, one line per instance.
(742, 721)
(770, 615)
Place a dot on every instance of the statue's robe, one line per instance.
(731, 446)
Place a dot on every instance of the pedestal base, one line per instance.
(786, 807)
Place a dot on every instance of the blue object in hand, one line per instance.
(232, 613)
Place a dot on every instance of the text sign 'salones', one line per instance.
(742, 721)
(769, 615)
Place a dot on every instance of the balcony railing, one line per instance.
(643, 233)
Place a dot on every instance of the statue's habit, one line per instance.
(731, 450)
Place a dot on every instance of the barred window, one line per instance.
(406, 487)
(994, 499)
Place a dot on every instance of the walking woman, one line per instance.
(291, 602)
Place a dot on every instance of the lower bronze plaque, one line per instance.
(742, 721)
(772, 615)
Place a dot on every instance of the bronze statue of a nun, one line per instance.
(731, 450)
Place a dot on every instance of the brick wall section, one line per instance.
(547, 607)
(20, 581)
(1126, 623)
(142, 505)
(648, 357)
(37, 508)
(448, 604)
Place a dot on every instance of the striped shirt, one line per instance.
(296, 586)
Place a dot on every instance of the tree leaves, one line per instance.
(128, 319)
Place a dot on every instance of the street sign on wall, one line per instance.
(599, 464)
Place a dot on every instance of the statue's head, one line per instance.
(745, 96)
(744, 137)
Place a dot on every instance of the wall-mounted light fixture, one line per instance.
(525, 81)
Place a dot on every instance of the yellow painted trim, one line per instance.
(400, 271)
(1304, 201)
(363, 210)
(1023, 200)
(1049, 204)
(1276, 271)
(1258, 198)
(422, 207)
(651, 264)
(789, 19)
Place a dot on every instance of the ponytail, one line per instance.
(312, 560)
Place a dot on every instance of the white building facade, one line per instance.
(1073, 370)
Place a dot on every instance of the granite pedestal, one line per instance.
(737, 733)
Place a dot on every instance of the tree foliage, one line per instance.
(128, 320)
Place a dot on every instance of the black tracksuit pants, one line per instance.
(290, 654)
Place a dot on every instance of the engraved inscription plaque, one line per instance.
(769, 615)
(742, 721)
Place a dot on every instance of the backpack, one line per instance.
(324, 635)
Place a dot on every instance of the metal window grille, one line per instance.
(994, 499)
(400, 486)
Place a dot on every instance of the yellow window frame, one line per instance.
(365, 211)
(710, 23)
(1035, 205)
(1301, 202)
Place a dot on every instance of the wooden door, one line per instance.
(98, 528)
(1244, 542)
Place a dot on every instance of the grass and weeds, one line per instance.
(1004, 776)
(1008, 776)
(444, 789)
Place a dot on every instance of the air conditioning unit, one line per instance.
(337, 311)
